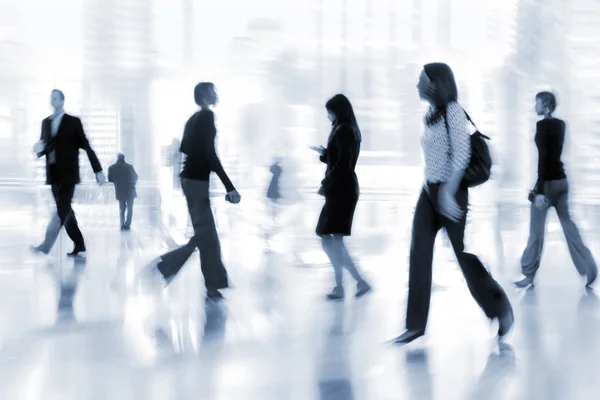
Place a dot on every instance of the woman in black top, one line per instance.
(552, 190)
(341, 191)
(198, 146)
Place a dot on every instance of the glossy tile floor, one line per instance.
(84, 329)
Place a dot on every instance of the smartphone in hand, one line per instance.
(318, 149)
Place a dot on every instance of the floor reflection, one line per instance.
(334, 362)
(274, 337)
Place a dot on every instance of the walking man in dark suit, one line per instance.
(125, 178)
(62, 137)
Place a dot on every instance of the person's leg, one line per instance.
(205, 238)
(122, 208)
(424, 231)
(335, 258)
(52, 232)
(348, 263)
(485, 290)
(580, 254)
(532, 255)
(64, 196)
(130, 201)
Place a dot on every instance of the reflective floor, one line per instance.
(84, 329)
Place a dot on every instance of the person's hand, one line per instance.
(318, 149)
(39, 146)
(233, 197)
(100, 178)
(540, 202)
(448, 205)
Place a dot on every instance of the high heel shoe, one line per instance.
(525, 282)
(505, 324)
(409, 336)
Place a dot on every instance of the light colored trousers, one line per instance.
(557, 193)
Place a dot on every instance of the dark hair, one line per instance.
(60, 93)
(444, 89)
(548, 99)
(201, 90)
(121, 156)
(340, 106)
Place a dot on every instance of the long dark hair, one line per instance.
(340, 106)
(444, 89)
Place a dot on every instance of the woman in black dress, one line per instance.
(341, 191)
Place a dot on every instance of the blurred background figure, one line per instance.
(273, 199)
(125, 178)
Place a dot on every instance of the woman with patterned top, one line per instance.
(552, 190)
(341, 191)
(443, 204)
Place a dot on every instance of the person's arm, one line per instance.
(542, 145)
(111, 177)
(460, 146)
(42, 151)
(184, 145)
(85, 145)
(344, 141)
(134, 176)
(213, 159)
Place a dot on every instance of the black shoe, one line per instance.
(39, 249)
(409, 336)
(591, 277)
(336, 295)
(214, 295)
(362, 288)
(77, 251)
(505, 324)
(525, 282)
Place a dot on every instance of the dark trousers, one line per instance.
(63, 196)
(426, 223)
(205, 239)
(557, 194)
(126, 204)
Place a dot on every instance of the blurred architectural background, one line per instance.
(128, 68)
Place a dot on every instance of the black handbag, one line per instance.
(479, 169)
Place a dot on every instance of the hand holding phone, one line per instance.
(318, 149)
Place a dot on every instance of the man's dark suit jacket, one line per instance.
(66, 144)
(124, 177)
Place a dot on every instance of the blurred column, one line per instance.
(118, 70)
(367, 103)
(344, 58)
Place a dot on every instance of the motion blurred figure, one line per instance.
(198, 146)
(341, 191)
(125, 178)
(60, 141)
(552, 190)
(273, 198)
(443, 204)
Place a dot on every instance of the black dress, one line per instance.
(340, 184)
